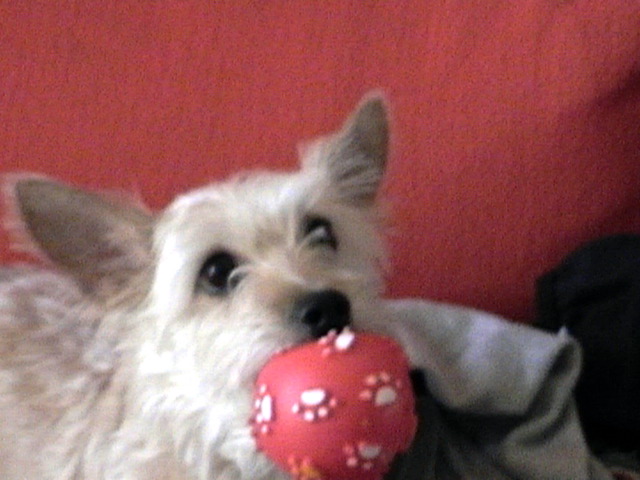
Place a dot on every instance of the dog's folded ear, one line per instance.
(355, 157)
(103, 242)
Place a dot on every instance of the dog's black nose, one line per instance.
(323, 311)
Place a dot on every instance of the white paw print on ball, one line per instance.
(335, 342)
(381, 389)
(264, 411)
(363, 455)
(314, 404)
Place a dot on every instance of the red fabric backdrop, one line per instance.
(516, 124)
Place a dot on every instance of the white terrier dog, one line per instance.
(135, 358)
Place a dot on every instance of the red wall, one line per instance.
(516, 123)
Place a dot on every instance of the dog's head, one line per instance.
(227, 274)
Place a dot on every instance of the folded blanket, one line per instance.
(498, 401)
(595, 294)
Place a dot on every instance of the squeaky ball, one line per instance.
(339, 408)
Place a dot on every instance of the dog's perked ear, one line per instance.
(102, 242)
(355, 157)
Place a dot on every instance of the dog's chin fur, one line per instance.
(124, 367)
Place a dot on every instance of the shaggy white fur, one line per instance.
(120, 363)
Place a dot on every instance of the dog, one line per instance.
(132, 353)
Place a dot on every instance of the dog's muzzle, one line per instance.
(322, 311)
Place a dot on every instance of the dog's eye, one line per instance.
(319, 232)
(216, 275)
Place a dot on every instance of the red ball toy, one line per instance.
(339, 408)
